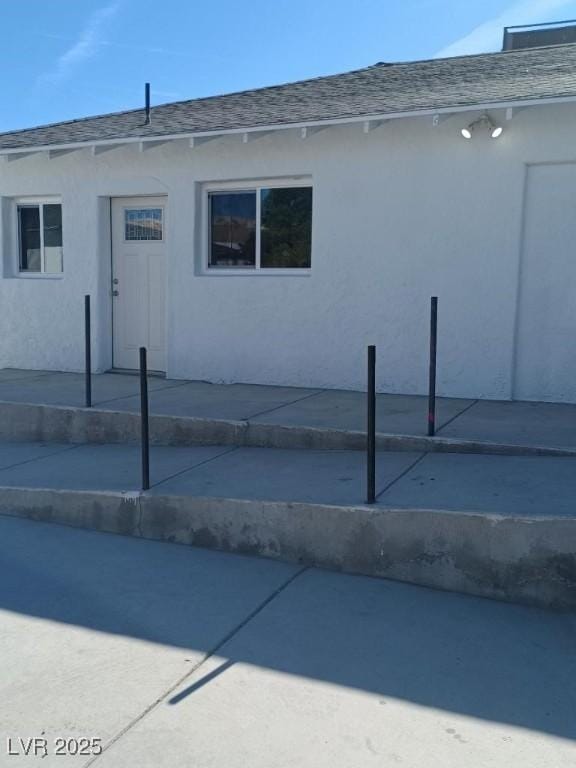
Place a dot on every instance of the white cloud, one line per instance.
(85, 47)
(102, 43)
(488, 36)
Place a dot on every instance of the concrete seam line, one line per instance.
(244, 435)
(140, 514)
(195, 466)
(41, 458)
(400, 476)
(137, 394)
(35, 376)
(214, 650)
(284, 405)
(464, 410)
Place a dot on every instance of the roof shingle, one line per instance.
(536, 73)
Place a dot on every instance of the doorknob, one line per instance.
(115, 281)
(115, 293)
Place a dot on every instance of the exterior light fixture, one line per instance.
(483, 122)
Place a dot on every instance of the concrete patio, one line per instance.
(510, 424)
(174, 656)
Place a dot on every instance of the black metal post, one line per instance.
(88, 351)
(147, 103)
(432, 369)
(144, 420)
(371, 428)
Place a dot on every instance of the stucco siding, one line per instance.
(405, 212)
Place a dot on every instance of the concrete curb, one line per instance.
(50, 423)
(522, 559)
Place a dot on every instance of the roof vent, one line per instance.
(538, 35)
(147, 119)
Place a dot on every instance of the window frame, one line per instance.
(36, 202)
(254, 186)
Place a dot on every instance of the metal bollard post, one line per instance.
(88, 352)
(432, 368)
(144, 420)
(371, 428)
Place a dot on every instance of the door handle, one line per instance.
(115, 293)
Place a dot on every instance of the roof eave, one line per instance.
(454, 110)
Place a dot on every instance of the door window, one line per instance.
(143, 224)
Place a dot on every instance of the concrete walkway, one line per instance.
(501, 485)
(513, 423)
(181, 657)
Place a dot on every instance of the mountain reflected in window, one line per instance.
(233, 229)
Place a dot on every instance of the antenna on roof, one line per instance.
(147, 99)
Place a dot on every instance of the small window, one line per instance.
(143, 224)
(260, 229)
(40, 238)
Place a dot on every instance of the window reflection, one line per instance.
(143, 224)
(233, 229)
(30, 242)
(286, 227)
(53, 238)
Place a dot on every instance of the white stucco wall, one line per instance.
(405, 212)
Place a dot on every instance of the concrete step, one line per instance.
(249, 414)
(40, 422)
(518, 559)
(496, 526)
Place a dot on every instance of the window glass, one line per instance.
(286, 227)
(143, 224)
(52, 215)
(30, 242)
(233, 229)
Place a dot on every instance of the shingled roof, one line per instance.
(379, 90)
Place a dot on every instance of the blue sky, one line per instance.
(64, 59)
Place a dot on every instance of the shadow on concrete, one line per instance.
(201, 683)
(483, 659)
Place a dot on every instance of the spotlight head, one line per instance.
(485, 121)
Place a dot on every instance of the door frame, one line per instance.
(165, 240)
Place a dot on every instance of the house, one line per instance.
(268, 236)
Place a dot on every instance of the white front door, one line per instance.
(139, 280)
